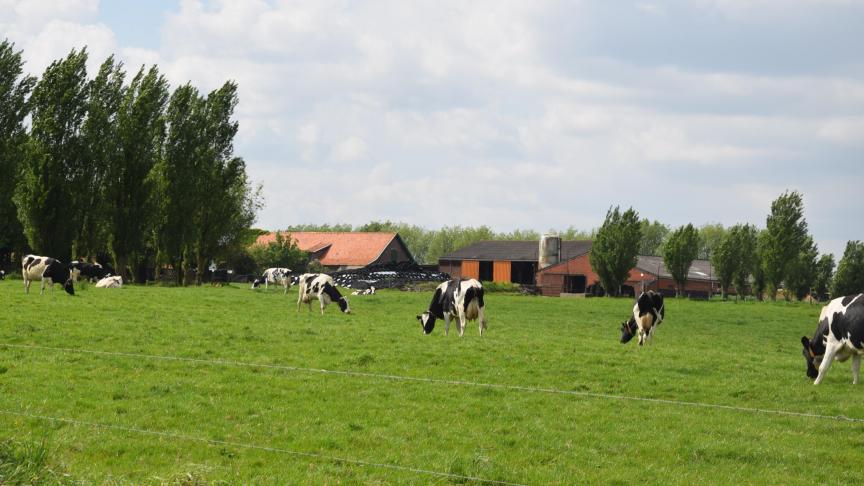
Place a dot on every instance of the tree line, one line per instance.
(750, 260)
(753, 261)
(119, 169)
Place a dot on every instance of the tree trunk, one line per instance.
(120, 265)
(200, 270)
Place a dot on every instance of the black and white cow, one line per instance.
(46, 269)
(460, 298)
(2, 275)
(320, 285)
(839, 335)
(281, 276)
(648, 313)
(90, 271)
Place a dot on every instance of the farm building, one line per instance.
(348, 250)
(561, 268)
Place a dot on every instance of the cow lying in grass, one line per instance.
(460, 298)
(114, 282)
(839, 335)
(648, 313)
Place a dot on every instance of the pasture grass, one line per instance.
(724, 353)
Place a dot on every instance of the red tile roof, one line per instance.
(348, 249)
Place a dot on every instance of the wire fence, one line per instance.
(439, 381)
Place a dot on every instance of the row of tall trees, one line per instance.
(782, 255)
(119, 167)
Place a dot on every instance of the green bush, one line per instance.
(502, 287)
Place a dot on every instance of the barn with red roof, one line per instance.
(347, 250)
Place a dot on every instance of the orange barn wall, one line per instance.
(501, 271)
(470, 269)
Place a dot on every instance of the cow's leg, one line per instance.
(830, 352)
(481, 317)
(26, 285)
(321, 302)
(42, 291)
(460, 314)
(856, 368)
(446, 323)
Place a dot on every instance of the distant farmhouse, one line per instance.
(561, 268)
(348, 250)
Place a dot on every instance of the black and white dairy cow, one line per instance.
(281, 276)
(320, 285)
(90, 271)
(839, 335)
(648, 313)
(46, 269)
(460, 298)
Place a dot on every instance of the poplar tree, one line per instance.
(53, 160)
(141, 130)
(786, 238)
(824, 274)
(225, 200)
(14, 91)
(101, 146)
(176, 175)
(849, 279)
(746, 238)
(679, 251)
(615, 250)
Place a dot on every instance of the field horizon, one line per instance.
(171, 385)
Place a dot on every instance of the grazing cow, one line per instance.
(282, 276)
(114, 282)
(46, 269)
(90, 271)
(322, 286)
(839, 335)
(648, 313)
(369, 291)
(462, 298)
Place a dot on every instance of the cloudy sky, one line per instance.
(532, 114)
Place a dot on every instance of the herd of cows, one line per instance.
(838, 336)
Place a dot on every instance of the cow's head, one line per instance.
(427, 322)
(67, 286)
(628, 330)
(343, 305)
(256, 283)
(813, 360)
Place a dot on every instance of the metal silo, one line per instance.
(550, 250)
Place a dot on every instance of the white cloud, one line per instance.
(352, 148)
(487, 103)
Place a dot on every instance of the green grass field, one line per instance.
(130, 417)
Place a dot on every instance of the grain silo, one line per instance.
(550, 250)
